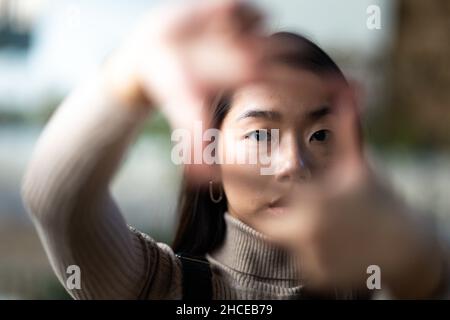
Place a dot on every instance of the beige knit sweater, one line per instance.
(66, 190)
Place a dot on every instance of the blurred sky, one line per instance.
(72, 37)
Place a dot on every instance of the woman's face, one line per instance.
(295, 102)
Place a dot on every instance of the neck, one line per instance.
(248, 251)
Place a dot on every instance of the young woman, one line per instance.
(177, 60)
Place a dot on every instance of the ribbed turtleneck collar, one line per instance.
(249, 251)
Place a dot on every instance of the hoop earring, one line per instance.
(211, 193)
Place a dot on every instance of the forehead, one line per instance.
(293, 93)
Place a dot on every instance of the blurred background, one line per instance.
(47, 46)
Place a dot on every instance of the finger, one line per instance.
(346, 164)
(248, 18)
(190, 120)
(230, 17)
(349, 131)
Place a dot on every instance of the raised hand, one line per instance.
(345, 220)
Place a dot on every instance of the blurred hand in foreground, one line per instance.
(180, 55)
(346, 220)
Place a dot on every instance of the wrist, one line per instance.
(123, 82)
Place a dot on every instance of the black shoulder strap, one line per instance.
(196, 278)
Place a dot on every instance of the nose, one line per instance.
(291, 162)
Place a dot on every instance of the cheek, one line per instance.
(243, 184)
(244, 187)
(319, 159)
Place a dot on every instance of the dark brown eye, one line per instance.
(259, 135)
(320, 136)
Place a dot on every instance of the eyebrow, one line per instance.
(262, 114)
(313, 115)
(318, 113)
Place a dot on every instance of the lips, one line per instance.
(279, 206)
(280, 202)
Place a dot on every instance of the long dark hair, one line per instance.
(201, 225)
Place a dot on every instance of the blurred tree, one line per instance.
(418, 114)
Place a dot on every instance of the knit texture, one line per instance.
(66, 191)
